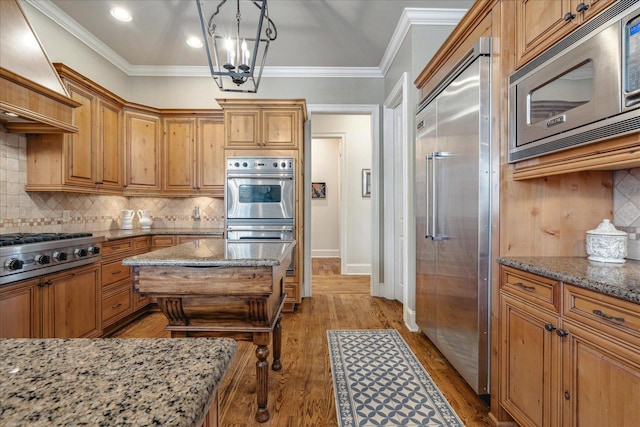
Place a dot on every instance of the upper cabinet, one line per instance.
(89, 160)
(142, 146)
(193, 162)
(249, 125)
(540, 24)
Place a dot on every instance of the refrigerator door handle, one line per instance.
(438, 155)
(428, 233)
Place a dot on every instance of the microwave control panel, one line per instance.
(632, 57)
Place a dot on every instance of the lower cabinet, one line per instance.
(118, 298)
(568, 356)
(47, 307)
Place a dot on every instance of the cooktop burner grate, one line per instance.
(23, 238)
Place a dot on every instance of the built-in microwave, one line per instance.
(584, 89)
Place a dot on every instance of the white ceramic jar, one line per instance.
(605, 243)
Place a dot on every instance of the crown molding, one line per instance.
(56, 14)
(410, 16)
(417, 16)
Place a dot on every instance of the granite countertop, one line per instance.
(108, 382)
(216, 253)
(617, 280)
(116, 234)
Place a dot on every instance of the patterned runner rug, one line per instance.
(378, 381)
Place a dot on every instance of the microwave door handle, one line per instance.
(427, 190)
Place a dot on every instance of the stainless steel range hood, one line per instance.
(32, 96)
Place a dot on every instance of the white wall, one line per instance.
(356, 211)
(325, 213)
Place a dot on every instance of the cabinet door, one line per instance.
(529, 363)
(109, 153)
(601, 380)
(20, 307)
(142, 133)
(243, 129)
(211, 163)
(280, 128)
(539, 24)
(179, 155)
(81, 147)
(72, 304)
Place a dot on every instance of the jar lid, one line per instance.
(606, 228)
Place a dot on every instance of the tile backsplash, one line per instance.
(53, 212)
(626, 207)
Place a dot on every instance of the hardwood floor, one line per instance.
(301, 394)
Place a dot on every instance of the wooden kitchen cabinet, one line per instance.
(21, 310)
(89, 160)
(193, 162)
(263, 124)
(569, 357)
(168, 240)
(118, 299)
(70, 304)
(142, 153)
(61, 305)
(272, 128)
(540, 24)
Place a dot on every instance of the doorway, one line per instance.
(361, 221)
(326, 188)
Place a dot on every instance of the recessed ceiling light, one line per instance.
(121, 14)
(194, 42)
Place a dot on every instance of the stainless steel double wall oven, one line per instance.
(260, 199)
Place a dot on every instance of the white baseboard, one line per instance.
(325, 253)
(357, 269)
(410, 319)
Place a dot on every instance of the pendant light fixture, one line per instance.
(236, 41)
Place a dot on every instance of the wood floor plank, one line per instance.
(301, 394)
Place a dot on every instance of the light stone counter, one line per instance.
(137, 232)
(216, 253)
(109, 382)
(617, 280)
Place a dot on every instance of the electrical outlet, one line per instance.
(66, 216)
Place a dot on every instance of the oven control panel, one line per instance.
(260, 165)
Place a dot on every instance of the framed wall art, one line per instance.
(318, 190)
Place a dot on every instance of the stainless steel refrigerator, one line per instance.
(453, 198)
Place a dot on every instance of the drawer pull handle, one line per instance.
(116, 272)
(525, 287)
(608, 317)
(117, 305)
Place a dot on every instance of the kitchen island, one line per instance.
(138, 382)
(218, 288)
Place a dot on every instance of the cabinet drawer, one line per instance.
(117, 247)
(612, 315)
(141, 243)
(162, 241)
(539, 290)
(116, 304)
(113, 272)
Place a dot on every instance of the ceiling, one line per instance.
(311, 33)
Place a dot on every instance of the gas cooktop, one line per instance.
(23, 238)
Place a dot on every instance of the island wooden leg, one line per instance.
(262, 379)
(277, 345)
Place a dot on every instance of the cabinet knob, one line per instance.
(566, 395)
(549, 327)
(582, 7)
(569, 16)
(562, 332)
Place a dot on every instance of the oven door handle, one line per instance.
(278, 229)
(259, 176)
